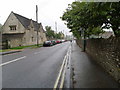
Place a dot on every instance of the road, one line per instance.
(40, 68)
(33, 68)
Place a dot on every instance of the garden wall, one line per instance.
(106, 52)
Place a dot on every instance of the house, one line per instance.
(107, 34)
(21, 31)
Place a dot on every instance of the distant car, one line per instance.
(63, 40)
(53, 42)
(47, 43)
(57, 41)
(60, 41)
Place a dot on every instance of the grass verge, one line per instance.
(21, 47)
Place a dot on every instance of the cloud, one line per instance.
(49, 11)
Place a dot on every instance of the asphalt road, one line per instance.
(33, 68)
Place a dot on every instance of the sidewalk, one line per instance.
(9, 52)
(86, 73)
(17, 50)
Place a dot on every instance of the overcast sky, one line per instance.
(49, 11)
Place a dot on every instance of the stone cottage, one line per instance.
(21, 31)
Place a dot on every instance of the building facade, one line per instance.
(21, 31)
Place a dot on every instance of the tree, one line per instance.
(59, 35)
(0, 27)
(49, 32)
(90, 16)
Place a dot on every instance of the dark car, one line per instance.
(53, 42)
(47, 43)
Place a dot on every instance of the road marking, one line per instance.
(12, 61)
(63, 75)
(62, 71)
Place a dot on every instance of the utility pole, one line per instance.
(63, 35)
(37, 24)
(56, 28)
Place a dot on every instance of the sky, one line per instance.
(49, 11)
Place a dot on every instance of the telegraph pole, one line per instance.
(63, 34)
(37, 24)
(56, 28)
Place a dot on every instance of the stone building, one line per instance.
(21, 31)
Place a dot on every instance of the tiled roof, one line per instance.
(26, 22)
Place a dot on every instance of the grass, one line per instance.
(21, 47)
(4, 50)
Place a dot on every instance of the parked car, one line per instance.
(63, 40)
(60, 41)
(47, 43)
(53, 42)
(57, 41)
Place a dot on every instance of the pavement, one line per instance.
(86, 73)
(9, 52)
(15, 51)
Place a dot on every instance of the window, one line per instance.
(13, 27)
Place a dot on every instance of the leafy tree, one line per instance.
(51, 34)
(0, 27)
(91, 16)
(59, 35)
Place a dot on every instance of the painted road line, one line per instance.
(63, 75)
(12, 61)
(57, 80)
(62, 71)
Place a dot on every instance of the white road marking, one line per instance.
(63, 75)
(12, 61)
(62, 71)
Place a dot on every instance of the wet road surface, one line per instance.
(39, 68)
(33, 68)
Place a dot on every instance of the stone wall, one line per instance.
(13, 40)
(106, 52)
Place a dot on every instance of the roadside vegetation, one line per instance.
(21, 47)
(92, 17)
(51, 34)
(0, 28)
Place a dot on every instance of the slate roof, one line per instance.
(26, 22)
